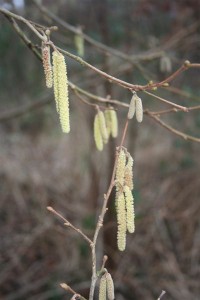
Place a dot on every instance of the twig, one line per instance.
(19, 18)
(171, 129)
(67, 223)
(67, 288)
(180, 107)
(161, 295)
(102, 215)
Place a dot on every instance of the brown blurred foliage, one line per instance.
(41, 167)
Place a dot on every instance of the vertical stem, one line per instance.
(101, 218)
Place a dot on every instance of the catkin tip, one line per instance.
(110, 287)
(102, 288)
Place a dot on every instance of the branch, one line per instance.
(67, 223)
(180, 107)
(161, 295)
(23, 20)
(102, 215)
(171, 129)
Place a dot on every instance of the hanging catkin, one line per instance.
(131, 110)
(128, 176)
(139, 109)
(79, 42)
(120, 170)
(61, 90)
(110, 287)
(102, 288)
(121, 220)
(113, 123)
(46, 58)
(103, 128)
(108, 121)
(97, 133)
(130, 214)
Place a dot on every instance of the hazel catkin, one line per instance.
(46, 59)
(61, 90)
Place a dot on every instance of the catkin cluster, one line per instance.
(57, 77)
(106, 287)
(105, 124)
(124, 198)
(135, 108)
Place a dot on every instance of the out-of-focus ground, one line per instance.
(40, 166)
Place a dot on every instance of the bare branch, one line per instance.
(67, 223)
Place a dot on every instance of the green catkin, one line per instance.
(103, 128)
(110, 287)
(121, 220)
(97, 133)
(139, 109)
(128, 176)
(79, 43)
(130, 213)
(46, 58)
(113, 123)
(61, 90)
(102, 288)
(131, 110)
(108, 121)
(120, 170)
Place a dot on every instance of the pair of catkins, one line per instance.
(124, 201)
(106, 287)
(56, 77)
(105, 125)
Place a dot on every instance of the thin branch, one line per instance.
(26, 108)
(171, 129)
(174, 110)
(180, 107)
(102, 215)
(67, 223)
(20, 18)
(161, 295)
(67, 288)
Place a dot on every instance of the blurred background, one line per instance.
(40, 166)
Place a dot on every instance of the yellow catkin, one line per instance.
(108, 121)
(102, 288)
(61, 90)
(110, 287)
(46, 58)
(130, 213)
(120, 170)
(103, 128)
(128, 176)
(113, 123)
(55, 78)
(131, 110)
(97, 133)
(79, 44)
(139, 109)
(121, 220)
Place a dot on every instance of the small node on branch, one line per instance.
(65, 286)
(50, 208)
(154, 88)
(187, 63)
(165, 84)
